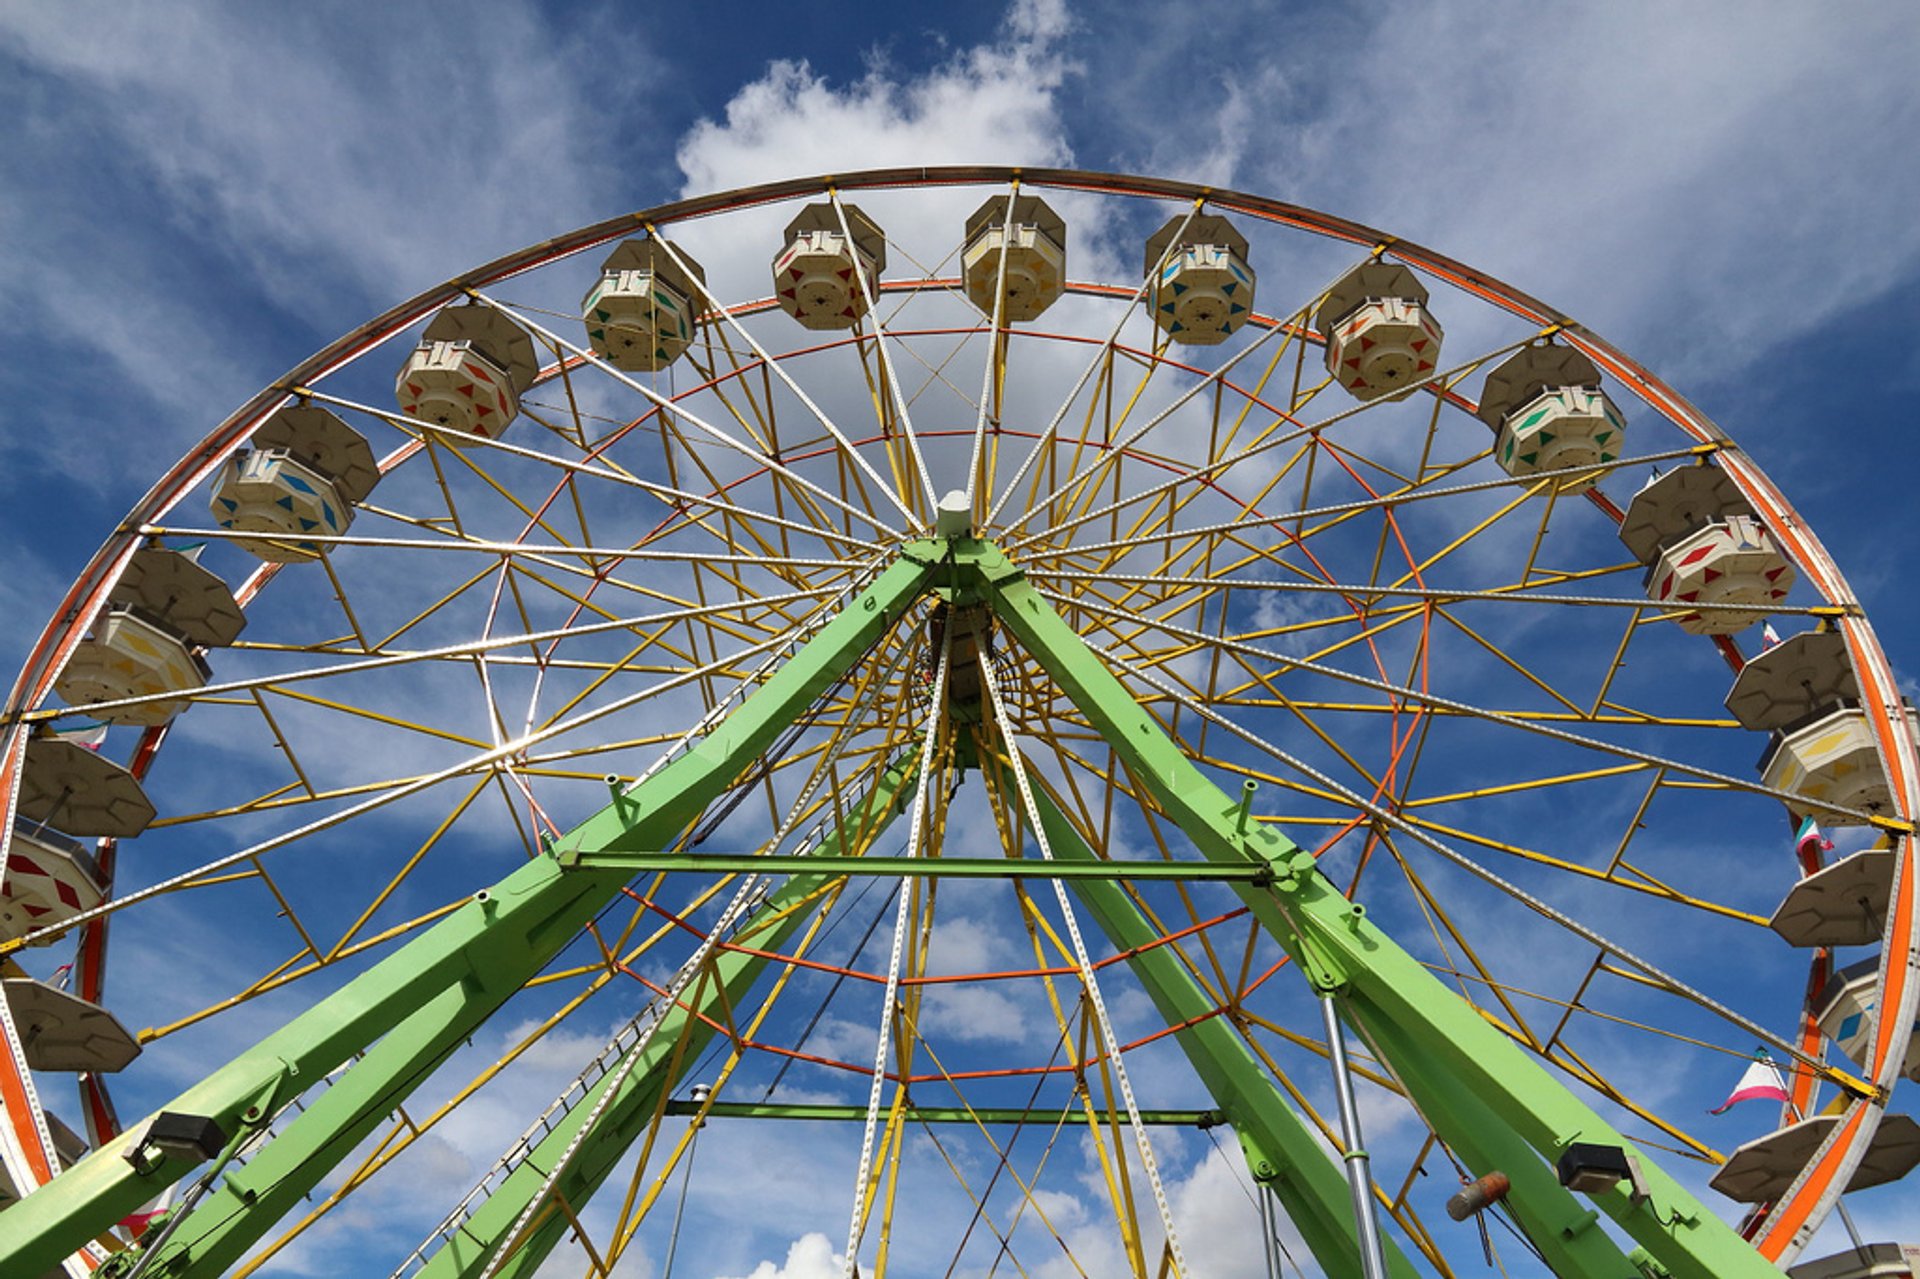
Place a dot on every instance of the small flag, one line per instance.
(1810, 840)
(62, 976)
(88, 733)
(138, 1223)
(192, 550)
(1768, 636)
(1761, 1082)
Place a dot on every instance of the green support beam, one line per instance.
(1440, 1036)
(1486, 1098)
(989, 1115)
(412, 1008)
(1282, 1150)
(632, 1105)
(943, 867)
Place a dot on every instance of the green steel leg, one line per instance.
(1340, 950)
(484, 951)
(1281, 1149)
(1563, 1231)
(632, 1108)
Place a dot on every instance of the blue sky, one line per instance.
(194, 198)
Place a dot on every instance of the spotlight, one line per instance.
(700, 1093)
(1593, 1170)
(173, 1135)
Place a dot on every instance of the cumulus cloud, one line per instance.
(992, 103)
(810, 1257)
(1684, 179)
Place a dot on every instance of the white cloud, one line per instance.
(809, 1257)
(1692, 182)
(994, 103)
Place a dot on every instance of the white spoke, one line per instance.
(1017, 762)
(1100, 356)
(748, 451)
(786, 379)
(886, 357)
(902, 921)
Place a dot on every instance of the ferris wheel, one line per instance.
(941, 708)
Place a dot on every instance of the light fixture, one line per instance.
(1593, 1170)
(700, 1093)
(174, 1135)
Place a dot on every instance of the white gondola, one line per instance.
(1847, 1017)
(1702, 544)
(1872, 1261)
(1791, 681)
(1381, 338)
(468, 373)
(49, 879)
(1763, 1168)
(1202, 287)
(127, 655)
(1832, 760)
(161, 612)
(1549, 414)
(642, 313)
(80, 791)
(821, 277)
(63, 1032)
(1035, 249)
(1844, 904)
(303, 475)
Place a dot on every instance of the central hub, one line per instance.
(972, 630)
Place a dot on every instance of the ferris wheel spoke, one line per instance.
(1414, 695)
(756, 455)
(480, 762)
(1341, 511)
(993, 375)
(1101, 359)
(845, 445)
(1268, 442)
(1290, 329)
(677, 500)
(761, 421)
(1651, 973)
(888, 376)
(278, 680)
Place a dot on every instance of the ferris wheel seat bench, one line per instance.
(1844, 904)
(1564, 426)
(1380, 336)
(1731, 561)
(468, 372)
(126, 655)
(49, 879)
(270, 491)
(1833, 760)
(304, 474)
